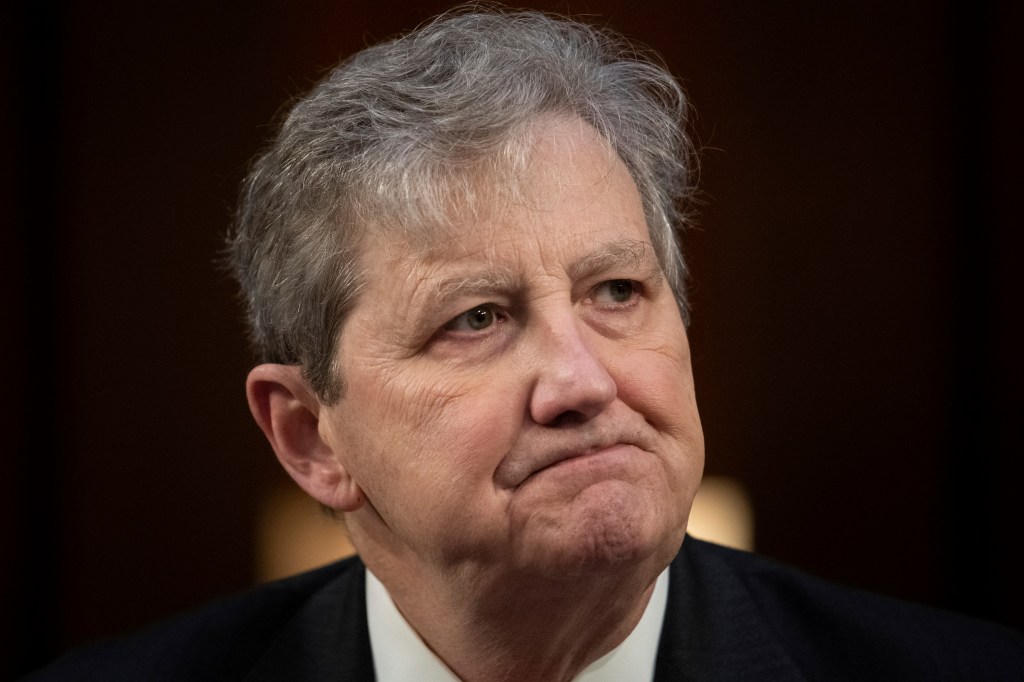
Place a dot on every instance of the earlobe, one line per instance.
(288, 411)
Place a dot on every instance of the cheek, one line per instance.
(432, 446)
(474, 427)
(438, 426)
(657, 382)
(655, 369)
(666, 399)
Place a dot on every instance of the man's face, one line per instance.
(518, 396)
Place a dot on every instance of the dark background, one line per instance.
(855, 289)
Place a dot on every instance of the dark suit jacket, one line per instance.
(730, 616)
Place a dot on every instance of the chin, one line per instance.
(610, 532)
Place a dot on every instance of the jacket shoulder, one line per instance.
(221, 641)
(833, 630)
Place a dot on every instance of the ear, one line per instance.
(288, 411)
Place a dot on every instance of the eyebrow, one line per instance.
(630, 254)
(484, 284)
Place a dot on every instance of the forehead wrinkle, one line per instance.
(632, 254)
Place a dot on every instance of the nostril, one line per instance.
(567, 418)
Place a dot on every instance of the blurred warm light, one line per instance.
(295, 535)
(722, 513)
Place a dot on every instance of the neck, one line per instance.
(511, 627)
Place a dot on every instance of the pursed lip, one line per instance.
(518, 469)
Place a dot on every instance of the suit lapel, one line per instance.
(713, 630)
(327, 640)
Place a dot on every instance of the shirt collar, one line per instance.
(399, 654)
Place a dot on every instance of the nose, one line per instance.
(572, 383)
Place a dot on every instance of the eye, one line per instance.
(616, 291)
(474, 320)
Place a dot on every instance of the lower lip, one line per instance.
(599, 463)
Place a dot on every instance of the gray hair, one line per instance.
(399, 134)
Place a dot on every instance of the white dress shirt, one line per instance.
(400, 655)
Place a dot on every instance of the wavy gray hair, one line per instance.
(401, 133)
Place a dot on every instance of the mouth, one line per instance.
(523, 470)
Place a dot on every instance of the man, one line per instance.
(461, 266)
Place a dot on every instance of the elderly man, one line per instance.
(461, 266)
(459, 257)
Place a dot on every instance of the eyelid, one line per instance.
(496, 311)
(638, 290)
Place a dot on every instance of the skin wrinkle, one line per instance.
(490, 283)
(512, 197)
(485, 282)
